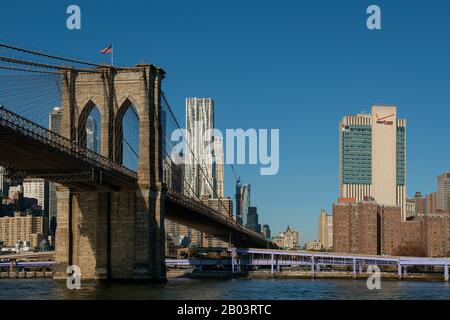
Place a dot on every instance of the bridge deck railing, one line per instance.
(15, 122)
(199, 206)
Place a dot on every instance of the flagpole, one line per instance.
(112, 55)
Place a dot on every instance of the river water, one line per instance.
(235, 289)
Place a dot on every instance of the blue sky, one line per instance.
(294, 65)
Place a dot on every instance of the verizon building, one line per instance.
(372, 157)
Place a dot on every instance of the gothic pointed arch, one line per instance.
(83, 117)
(126, 105)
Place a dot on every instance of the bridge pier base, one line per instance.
(82, 234)
(137, 236)
(63, 250)
(111, 236)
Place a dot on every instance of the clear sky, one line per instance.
(294, 65)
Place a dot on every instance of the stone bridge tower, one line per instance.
(114, 233)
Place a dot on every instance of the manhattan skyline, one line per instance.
(269, 66)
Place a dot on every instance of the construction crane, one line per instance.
(238, 179)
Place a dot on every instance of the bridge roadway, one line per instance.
(32, 151)
(183, 210)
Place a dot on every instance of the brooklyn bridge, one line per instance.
(110, 217)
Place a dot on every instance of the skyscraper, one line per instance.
(199, 158)
(373, 157)
(242, 202)
(252, 220)
(443, 191)
(203, 167)
(37, 189)
(4, 185)
(218, 167)
(330, 232)
(266, 231)
(55, 120)
(326, 230)
(92, 139)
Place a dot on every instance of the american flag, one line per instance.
(107, 50)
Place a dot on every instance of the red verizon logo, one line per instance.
(383, 120)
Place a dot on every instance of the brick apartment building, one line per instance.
(368, 228)
(23, 227)
(355, 226)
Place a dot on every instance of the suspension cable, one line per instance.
(26, 70)
(192, 152)
(48, 55)
(43, 65)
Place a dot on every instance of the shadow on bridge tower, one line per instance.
(109, 232)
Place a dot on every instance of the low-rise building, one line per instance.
(410, 208)
(315, 245)
(288, 239)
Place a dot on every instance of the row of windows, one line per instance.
(358, 137)
(356, 128)
(401, 166)
(349, 162)
(357, 160)
(357, 155)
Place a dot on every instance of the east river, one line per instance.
(235, 289)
